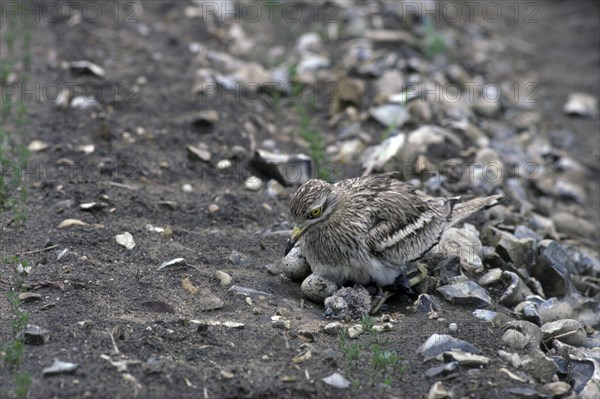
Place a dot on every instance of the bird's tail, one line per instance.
(466, 209)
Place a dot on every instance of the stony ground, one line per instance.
(184, 331)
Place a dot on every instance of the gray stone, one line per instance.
(539, 366)
(466, 293)
(441, 370)
(448, 267)
(438, 391)
(557, 389)
(493, 276)
(287, 169)
(555, 309)
(523, 392)
(33, 335)
(245, 291)
(467, 359)
(237, 258)
(465, 244)
(440, 343)
(519, 252)
(426, 303)
(552, 268)
(568, 331)
(337, 380)
(516, 290)
(59, 367)
(532, 333)
(529, 312)
(514, 339)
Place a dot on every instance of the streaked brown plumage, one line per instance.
(365, 230)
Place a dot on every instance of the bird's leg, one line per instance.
(402, 283)
(423, 273)
(384, 294)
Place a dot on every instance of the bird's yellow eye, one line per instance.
(315, 213)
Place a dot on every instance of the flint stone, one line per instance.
(532, 333)
(569, 331)
(466, 293)
(426, 303)
(539, 366)
(440, 343)
(552, 268)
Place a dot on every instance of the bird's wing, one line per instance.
(404, 225)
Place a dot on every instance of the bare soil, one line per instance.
(119, 290)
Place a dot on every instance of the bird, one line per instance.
(366, 230)
(348, 302)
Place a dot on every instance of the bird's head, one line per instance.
(336, 307)
(311, 206)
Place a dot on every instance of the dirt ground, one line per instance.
(119, 290)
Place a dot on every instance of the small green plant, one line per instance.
(13, 120)
(367, 323)
(350, 351)
(315, 138)
(22, 384)
(433, 42)
(13, 349)
(381, 364)
(385, 364)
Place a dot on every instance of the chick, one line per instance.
(348, 303)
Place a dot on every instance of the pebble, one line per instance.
(530, 334)
(442, 370)
(426, 303)
(568, 331)
(465, 244)
(225, 279)
(125, 239)
(33, 335)
(253, 183)
(557, 389)
(538, 365)
(467, 359)
(355, 330)
(188, 286)
(281, 322)
(173, 263)
(438, 391)
(37, 146)
(237, 258)
(187, 188)
(440, 343)
(213, 208)
(207, 301)
(332, 328)
(198, 153)
(452, 328)
(224, 164)
(514, 339)
(59, 367)
(337, 380)
(465, 293)
(30, 297)
(251, 292)
(552, 268)
(581, 104)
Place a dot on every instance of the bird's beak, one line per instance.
(296, 233)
